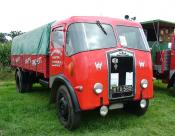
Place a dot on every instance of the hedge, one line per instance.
(5, 49)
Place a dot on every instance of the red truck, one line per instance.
(89, 63)
(164, 68)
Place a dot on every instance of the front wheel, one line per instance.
(138, 107)
(66, 113)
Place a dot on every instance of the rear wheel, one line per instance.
(19, 82)
(66, 113)
(28, 81)
(138, 107)
(23, 82)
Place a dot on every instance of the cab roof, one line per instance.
(92, 19)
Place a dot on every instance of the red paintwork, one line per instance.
(20, 61)
(159, 57)
(80, 68)
(145, 73)
(107, 20)
(85, 74)
(172, 63)
(160, 60)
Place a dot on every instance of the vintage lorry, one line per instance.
(89, 63)
(161, 38)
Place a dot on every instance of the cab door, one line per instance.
(56, 51)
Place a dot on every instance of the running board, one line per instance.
(44, 83)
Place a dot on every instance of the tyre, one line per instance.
(27, 81)
(66, 113)
(19, 82)
(138, 107)
(23, 83)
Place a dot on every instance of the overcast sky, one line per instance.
(25, 15)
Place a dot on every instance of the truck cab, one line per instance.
(106, 62)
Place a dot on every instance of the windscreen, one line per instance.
(132, 37)
(89, 36)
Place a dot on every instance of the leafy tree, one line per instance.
(2, 38)
(5, 49)
(15, 33)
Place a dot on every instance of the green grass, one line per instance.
(31, 114)
(7, 75)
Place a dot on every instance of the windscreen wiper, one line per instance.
(101, 27)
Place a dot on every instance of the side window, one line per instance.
(58, 37)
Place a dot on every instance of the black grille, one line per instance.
(120, 67)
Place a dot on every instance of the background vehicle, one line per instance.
(160, 35)
(89, 63)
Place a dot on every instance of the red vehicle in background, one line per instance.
(89, 63)
(161, 35)
(165, 64)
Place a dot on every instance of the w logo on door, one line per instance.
(142, 64)
(98, 65)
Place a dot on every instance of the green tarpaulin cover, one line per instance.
(33, 42)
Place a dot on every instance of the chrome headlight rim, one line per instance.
(98, 88)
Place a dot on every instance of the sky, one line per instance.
(25, 15)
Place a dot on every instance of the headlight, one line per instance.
(98, 88)
(144, 83)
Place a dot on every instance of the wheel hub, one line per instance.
(63, 108)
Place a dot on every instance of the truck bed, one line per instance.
(30, 50)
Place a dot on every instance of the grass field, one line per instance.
(31, 114)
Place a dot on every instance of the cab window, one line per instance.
(83, 37)
(57, 37)
(132, 37)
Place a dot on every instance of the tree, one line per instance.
(2, 38)
(15, 33)
(5, 50)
